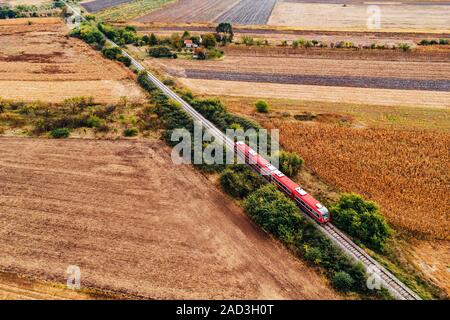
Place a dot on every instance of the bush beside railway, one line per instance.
(290, 163)
(239, 181)
(362, 220)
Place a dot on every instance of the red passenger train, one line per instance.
(305, 201)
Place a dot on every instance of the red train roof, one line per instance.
(281, 177)
(288, 183)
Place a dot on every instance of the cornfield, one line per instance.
(406, 172)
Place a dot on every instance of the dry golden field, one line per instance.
(14, 287)
(39, 62)
(406, 172)
(24, 2)
(334, 16)
(432, 257)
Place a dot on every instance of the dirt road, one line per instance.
(135, 224)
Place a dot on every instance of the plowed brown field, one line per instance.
(135, 224)
(38, 62)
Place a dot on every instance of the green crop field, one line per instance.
(131, 10)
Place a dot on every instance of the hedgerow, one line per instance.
(88, 34)
(239, 181)
(120, 36)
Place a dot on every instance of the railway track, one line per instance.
(398, 289)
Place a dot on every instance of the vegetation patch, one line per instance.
(131, 10)
(79, 114)
(31, 11)
(362, 220)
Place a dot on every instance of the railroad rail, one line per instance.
(398, 289)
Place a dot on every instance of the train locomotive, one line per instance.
(303, 199)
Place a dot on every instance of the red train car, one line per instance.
(254, 160)
(305, 201)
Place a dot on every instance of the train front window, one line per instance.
(324, 212)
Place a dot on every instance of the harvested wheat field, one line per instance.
(25, 2)
(366, 96)
(335, 16)
(405, 171)
(113, 208)
(39, 62)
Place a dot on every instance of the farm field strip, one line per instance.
(323, 16)
(189, 11)
(366, 96)
(303, 69)
(322, 65)
(249, 12)
(341, 81)
(103, 91)
(97, 5)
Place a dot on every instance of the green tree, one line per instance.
(60, 133)
(160, 52)
(248, 41)
(186, 35)
(111, 53)
(290, 163)
(153, 40)
(362, 220)
(130, 132)
(262, 106)
(225, 32)
(209, 40)
(273, 211)
(239, 181)
(342, 281)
